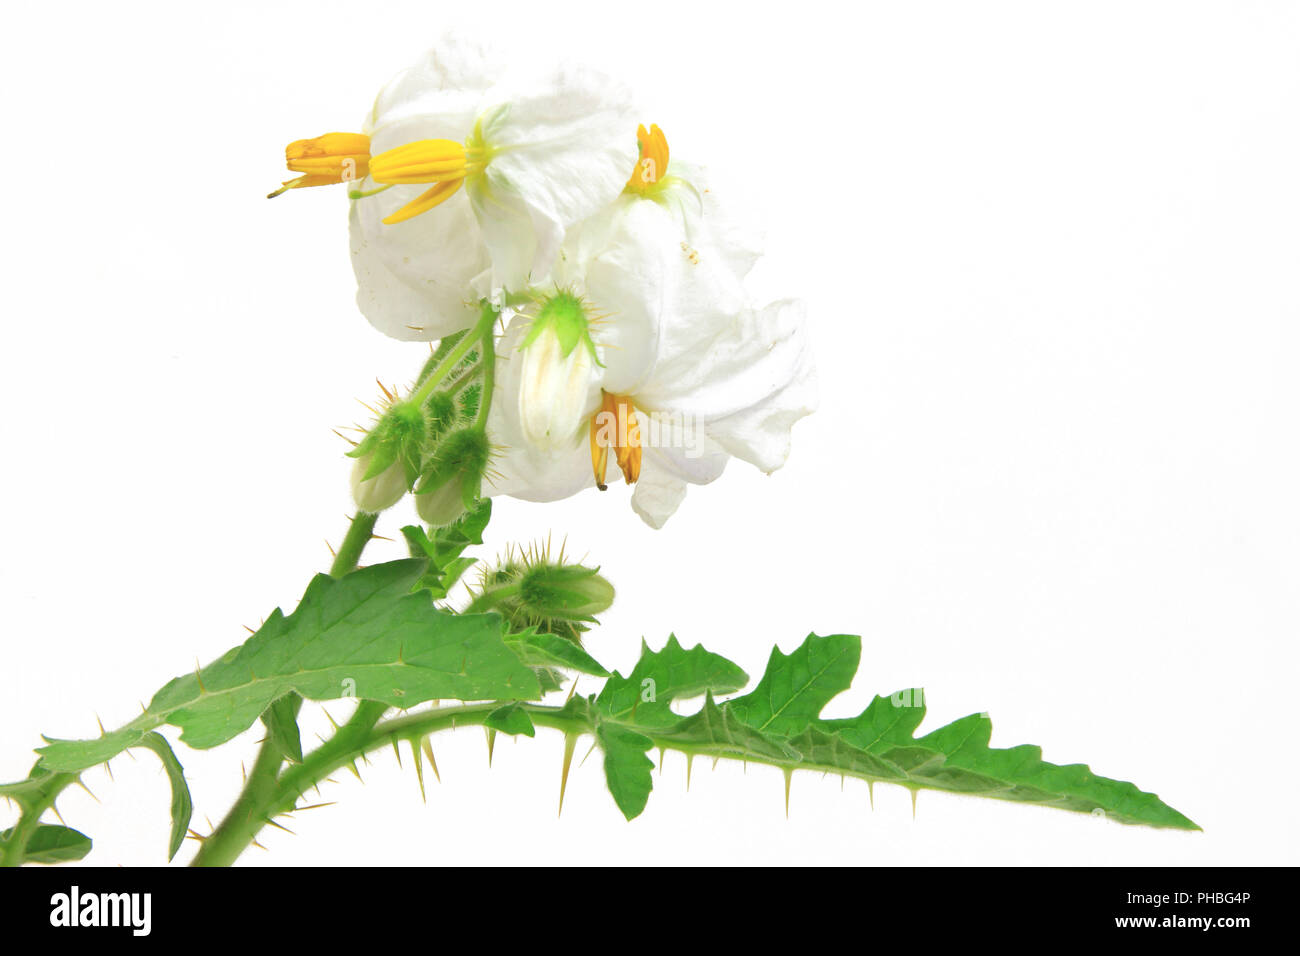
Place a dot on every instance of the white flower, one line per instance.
(689, 373)
(536, 150)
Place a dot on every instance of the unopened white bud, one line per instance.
(556, 391)
(380, 492)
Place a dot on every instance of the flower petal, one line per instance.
(414, 278)
(665, 474)
(437, 97)
(563, 142)
(748, 380)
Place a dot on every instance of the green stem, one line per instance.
(360, 531)
(487, 319)
(33, 805)
(244, 819)
(489, 376)
(337, 753)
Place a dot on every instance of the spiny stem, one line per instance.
(354, 543)
(33, 806)
(243, 821)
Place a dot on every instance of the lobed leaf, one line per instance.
(363, 635)
(627, 768)
(660, 677)
(780, 723)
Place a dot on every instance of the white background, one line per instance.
(1050, 254)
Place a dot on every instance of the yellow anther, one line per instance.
(442, 162)
(615, 426)
(652, 163)
(325, 160)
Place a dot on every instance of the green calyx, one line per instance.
(400, 435)
(568, 317)
(452, 479)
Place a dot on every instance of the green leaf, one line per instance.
(795, 688)
(511, 719)
(715, 731)
(958, 758)
(538, 649)
(53, 844)
(549, 679)
(182, 805)
(779, 723)
(627, 768)
(281, 720)
(444, 547)
(363, 635)
(660, 677)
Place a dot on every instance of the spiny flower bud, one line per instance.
(388, 458)
(571, 592)
(453, 476)
(533, 590)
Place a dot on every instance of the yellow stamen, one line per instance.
(615, 426)
(599, 439)
(424, 202)
(442, 162)
(652, 164)
(325, 160)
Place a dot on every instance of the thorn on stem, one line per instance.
(570, 741)
(279, 826)
(419, 767)
(428, 752)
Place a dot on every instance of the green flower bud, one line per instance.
(533, 591)
(452, 481)
(570, 592)
(388, 458)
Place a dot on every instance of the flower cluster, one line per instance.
(620, 340)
